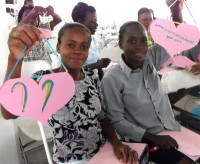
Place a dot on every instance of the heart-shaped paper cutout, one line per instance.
(168, 62)
(199, 57)
(174, 39)
(182, 62)
(25, 97)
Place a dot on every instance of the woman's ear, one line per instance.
(58, 48)
(120, 44)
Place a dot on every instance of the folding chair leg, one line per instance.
(22, 151)
(45, 143)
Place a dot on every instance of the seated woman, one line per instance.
(135, 101)
(80, 127)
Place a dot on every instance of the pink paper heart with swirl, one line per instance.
(25, 97)
(174, 39)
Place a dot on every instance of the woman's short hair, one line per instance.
(69, 26)
(80, 10)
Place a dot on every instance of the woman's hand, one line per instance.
(161, 141)
(49, 10)
(179, 2)
(22, 35)
(195, 69)
(165, 142)
(176, 10)
(125, 154)
(38, 10)
(102, 63)
(33, 15)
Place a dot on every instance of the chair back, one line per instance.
(114, 53)
(28, 68)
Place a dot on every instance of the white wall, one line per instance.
(7, 20)
(9, 150)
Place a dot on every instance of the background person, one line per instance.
(86, 15)
(30, 15)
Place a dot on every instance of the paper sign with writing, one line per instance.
(174, 39)
(38, 100)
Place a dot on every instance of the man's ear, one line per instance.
(58, 48)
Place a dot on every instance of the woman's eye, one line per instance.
(85, 47)
(70, 45)
(144, 41)
(132, 41)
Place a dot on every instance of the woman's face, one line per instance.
(91, 22)
(134, 45)
(74, 47)
(146, 19)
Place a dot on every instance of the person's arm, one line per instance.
(115, 110)
(123, 152)
(35, 12)
(101, 63)
(56, 18)
(158, 55)
(20, 36)
(161, 141)
(176, 10)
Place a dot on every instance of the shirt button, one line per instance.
(158, 112)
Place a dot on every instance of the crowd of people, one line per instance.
(127, 103)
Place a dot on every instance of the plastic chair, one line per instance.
(28, 68)
(32, 128)
(36, 132)
(114, 53)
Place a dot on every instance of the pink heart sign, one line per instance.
(183, 62)
(25, 97)
(174, 39)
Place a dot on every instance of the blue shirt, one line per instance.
(94, 54)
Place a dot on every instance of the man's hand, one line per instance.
(125, 154)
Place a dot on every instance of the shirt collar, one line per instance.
(127, 71)
(124, 67)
